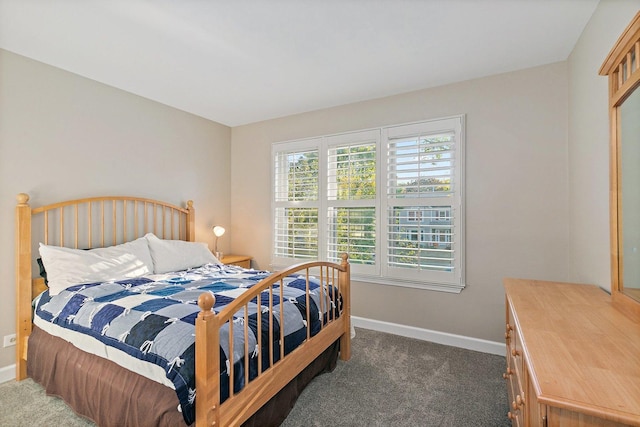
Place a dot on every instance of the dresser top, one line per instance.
(583, 353)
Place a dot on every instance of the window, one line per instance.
(296, 196)
(390, 197)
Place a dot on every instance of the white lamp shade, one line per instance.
(218, 230)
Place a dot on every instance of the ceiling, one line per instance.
(243, 61)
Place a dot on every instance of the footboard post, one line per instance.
(345, 285)
(23, 282)
(207, 363)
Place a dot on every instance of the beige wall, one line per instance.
(537, 170)
(588, 143)
(63, 136)
(517, 214)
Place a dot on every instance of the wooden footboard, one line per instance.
(334, 297)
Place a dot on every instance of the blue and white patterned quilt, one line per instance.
(153, 320)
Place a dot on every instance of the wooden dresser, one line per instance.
(573, 359)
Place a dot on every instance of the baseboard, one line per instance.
(460, 341)
(7, 373)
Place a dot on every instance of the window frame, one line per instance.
(295, 146)
(381, 272)
(340, 140)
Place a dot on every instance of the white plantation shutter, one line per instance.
(352, 230)
(296, 175)
(421, 165)
(423, 202)
(296, 233)
(352, 198)
(390, 197)
(296, 199)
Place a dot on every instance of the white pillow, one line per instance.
(67, 267)
(176, 255)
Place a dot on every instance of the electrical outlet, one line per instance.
(9, 340)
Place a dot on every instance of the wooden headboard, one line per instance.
(84, 223)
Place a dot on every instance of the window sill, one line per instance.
(451, 288)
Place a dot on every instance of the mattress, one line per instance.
(146, 324)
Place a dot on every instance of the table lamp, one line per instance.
(218, 231)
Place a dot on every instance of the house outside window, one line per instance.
(414, 215)
(391, 197)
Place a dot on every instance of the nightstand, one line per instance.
(243, 261)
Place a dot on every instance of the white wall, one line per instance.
(64, 137)
(517, 213)
(589, 255)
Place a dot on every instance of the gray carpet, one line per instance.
(389, 381)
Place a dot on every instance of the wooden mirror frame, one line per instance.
(622, 65)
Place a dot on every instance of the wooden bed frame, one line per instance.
(106, 221)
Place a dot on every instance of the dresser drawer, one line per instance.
(514, 344)
(516, 374)
(513, 390)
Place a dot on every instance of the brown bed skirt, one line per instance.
(110, 395)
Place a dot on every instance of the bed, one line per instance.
(249, 346)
